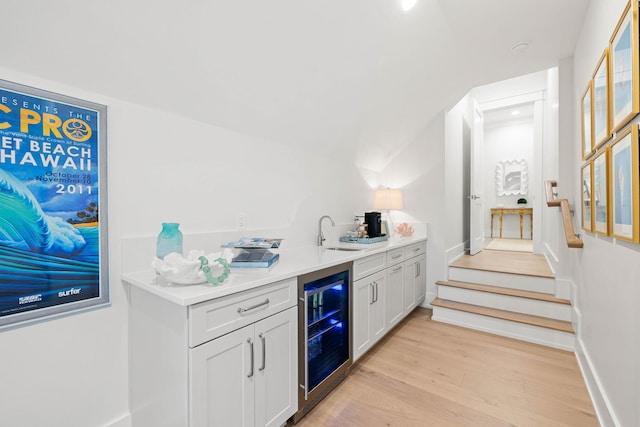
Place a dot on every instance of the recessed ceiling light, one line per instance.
(515, 112)
(519, 47)
(407, 5)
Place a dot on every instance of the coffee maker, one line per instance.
(374, 224)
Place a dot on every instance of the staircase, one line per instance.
(506, 293)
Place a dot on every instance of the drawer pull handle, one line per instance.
(398, 268)
(250, 374)
(253, 307)
(396, 257)
(416, 250)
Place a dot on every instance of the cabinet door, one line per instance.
(221, 381)
(410, 275)
(395, 302)
(421, 279)
(368, 317)
(276, 368)
(378, 314)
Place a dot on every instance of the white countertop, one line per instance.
(292, 263)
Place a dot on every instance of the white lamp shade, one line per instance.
(387, 199)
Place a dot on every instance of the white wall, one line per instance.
(73, 371)
(419, 171)
(606, 271)
(503, 142)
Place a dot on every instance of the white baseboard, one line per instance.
(454, 252)
(427, 300)
(601, 403)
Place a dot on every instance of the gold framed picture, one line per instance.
(600, 197)
(587, 121)
(600, 106)
(587, 190)
(624, 76)
(624, 185)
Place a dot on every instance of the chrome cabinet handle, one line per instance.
(372, 293)
(264, 351)
(253, 307)
(418, 249)
(250, 374)
(398, 268)
(376, 291)
(396, 257)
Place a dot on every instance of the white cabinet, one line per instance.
(415, 285)
(414, 276)
(421, 279)
(231, 361)
(368, 312)
(395, 303)
(387, 287)
(246, 378)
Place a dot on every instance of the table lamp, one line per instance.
(388, 199)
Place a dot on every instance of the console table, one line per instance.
(512, 211)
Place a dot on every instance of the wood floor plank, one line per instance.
(426, 373)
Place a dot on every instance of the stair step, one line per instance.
(505, 280)
(540, 296)
(526, 264)
(528, 319)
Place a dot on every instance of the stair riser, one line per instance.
(505, 302)
(506, 328)
(505, 280)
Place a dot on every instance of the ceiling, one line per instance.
(340, 77)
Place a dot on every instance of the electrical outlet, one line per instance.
(240, 220)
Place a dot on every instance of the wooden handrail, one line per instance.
(572, 240)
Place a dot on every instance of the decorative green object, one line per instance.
(169, 240)
(204, 266)
(522, 201)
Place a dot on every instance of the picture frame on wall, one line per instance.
(601, 194)
(600, 106)
(512, 178)
(587, 190)
(587, 121)
(624, 185)
(624, 60)
(53, 201)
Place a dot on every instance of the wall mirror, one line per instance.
(511, 177)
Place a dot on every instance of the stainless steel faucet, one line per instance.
(320, 235)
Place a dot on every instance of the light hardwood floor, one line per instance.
(425, 373)
(522, 263)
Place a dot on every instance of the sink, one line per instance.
(338, 248)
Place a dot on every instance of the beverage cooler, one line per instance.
(324, 333)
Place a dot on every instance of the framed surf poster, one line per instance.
(625, 66)
(625, 181)
(53, 205)
(600, 106)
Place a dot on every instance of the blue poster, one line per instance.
(50, 203)
(622, 187)
(622, 69)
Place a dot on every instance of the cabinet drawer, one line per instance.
(369, 265)
(395, 256)
(415, 250)
(211, 319)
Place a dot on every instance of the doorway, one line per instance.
(512, 130)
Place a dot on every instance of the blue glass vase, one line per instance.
(169, 240)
